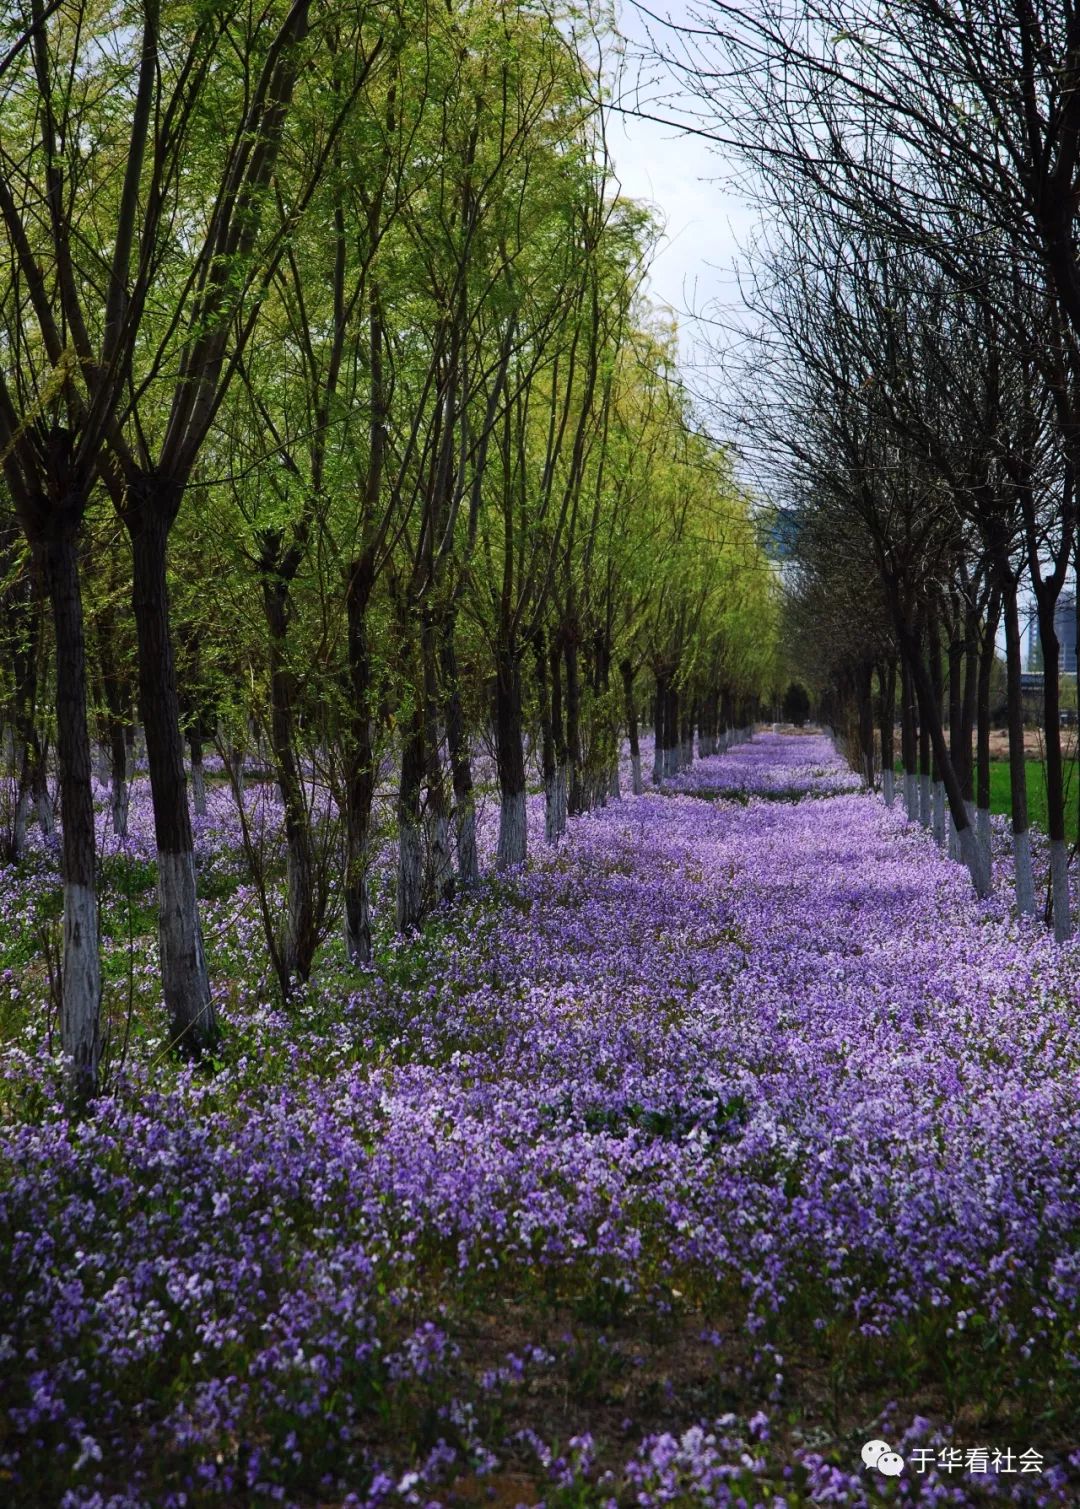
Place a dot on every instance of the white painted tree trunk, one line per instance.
(888, 787)
(551, 810)
(635, 775)
(198, 788)
(657, 765)
(940, 835)
(983, 835)
(924, 800)
(410, 875)
(969, 852)
(80, 1017)
(440, 856)
(1059, 890)
(911, 795)
(465, 840)
(183, 967)
(121, 795)
(513, 834)
(21, 821)
(44, 808)
(1024, 875)
(953, 840)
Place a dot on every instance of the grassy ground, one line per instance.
(1001, 796)
(1001, 799)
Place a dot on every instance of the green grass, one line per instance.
(1001, 795)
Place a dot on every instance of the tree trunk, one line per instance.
(198, 776)
(576, 801)
(548, 767)
(20, 821)
(938, 691)
(908, 744)
(940, 823)
(185, 983)
(925, 770)
(865, 701)
(960, 756)
(1024, 877)
(117, 723)
(1055, 785)
(39, 780)
(627, 672)
(437, 813)
(982, 794)
(27, 754)
(887, 695)
(930, 712)
(460, 763)
(510, 760)
(359, 764)
(298, 946)
(659, 725)
(120, 791)
(80, 1013)
(410, 877)
(969, 704)
(671, 730)
(558, 729)
(237, 757)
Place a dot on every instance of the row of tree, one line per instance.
(918, 333)
(330, 405)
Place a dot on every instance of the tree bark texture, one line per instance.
(510, 760)
(359, 779)
(80, 1012)
(460, 764)
(184, 979)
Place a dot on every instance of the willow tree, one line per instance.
(145, 212)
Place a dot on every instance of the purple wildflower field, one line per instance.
(726, 1136)
(770, 765)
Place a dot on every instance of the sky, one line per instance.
(682, 177)
(708, 230)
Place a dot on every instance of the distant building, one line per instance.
(1034, 648)
(1064, 628)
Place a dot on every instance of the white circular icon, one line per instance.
(891, 1463)
(873, 1452)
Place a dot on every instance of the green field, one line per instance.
(1001, 800)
